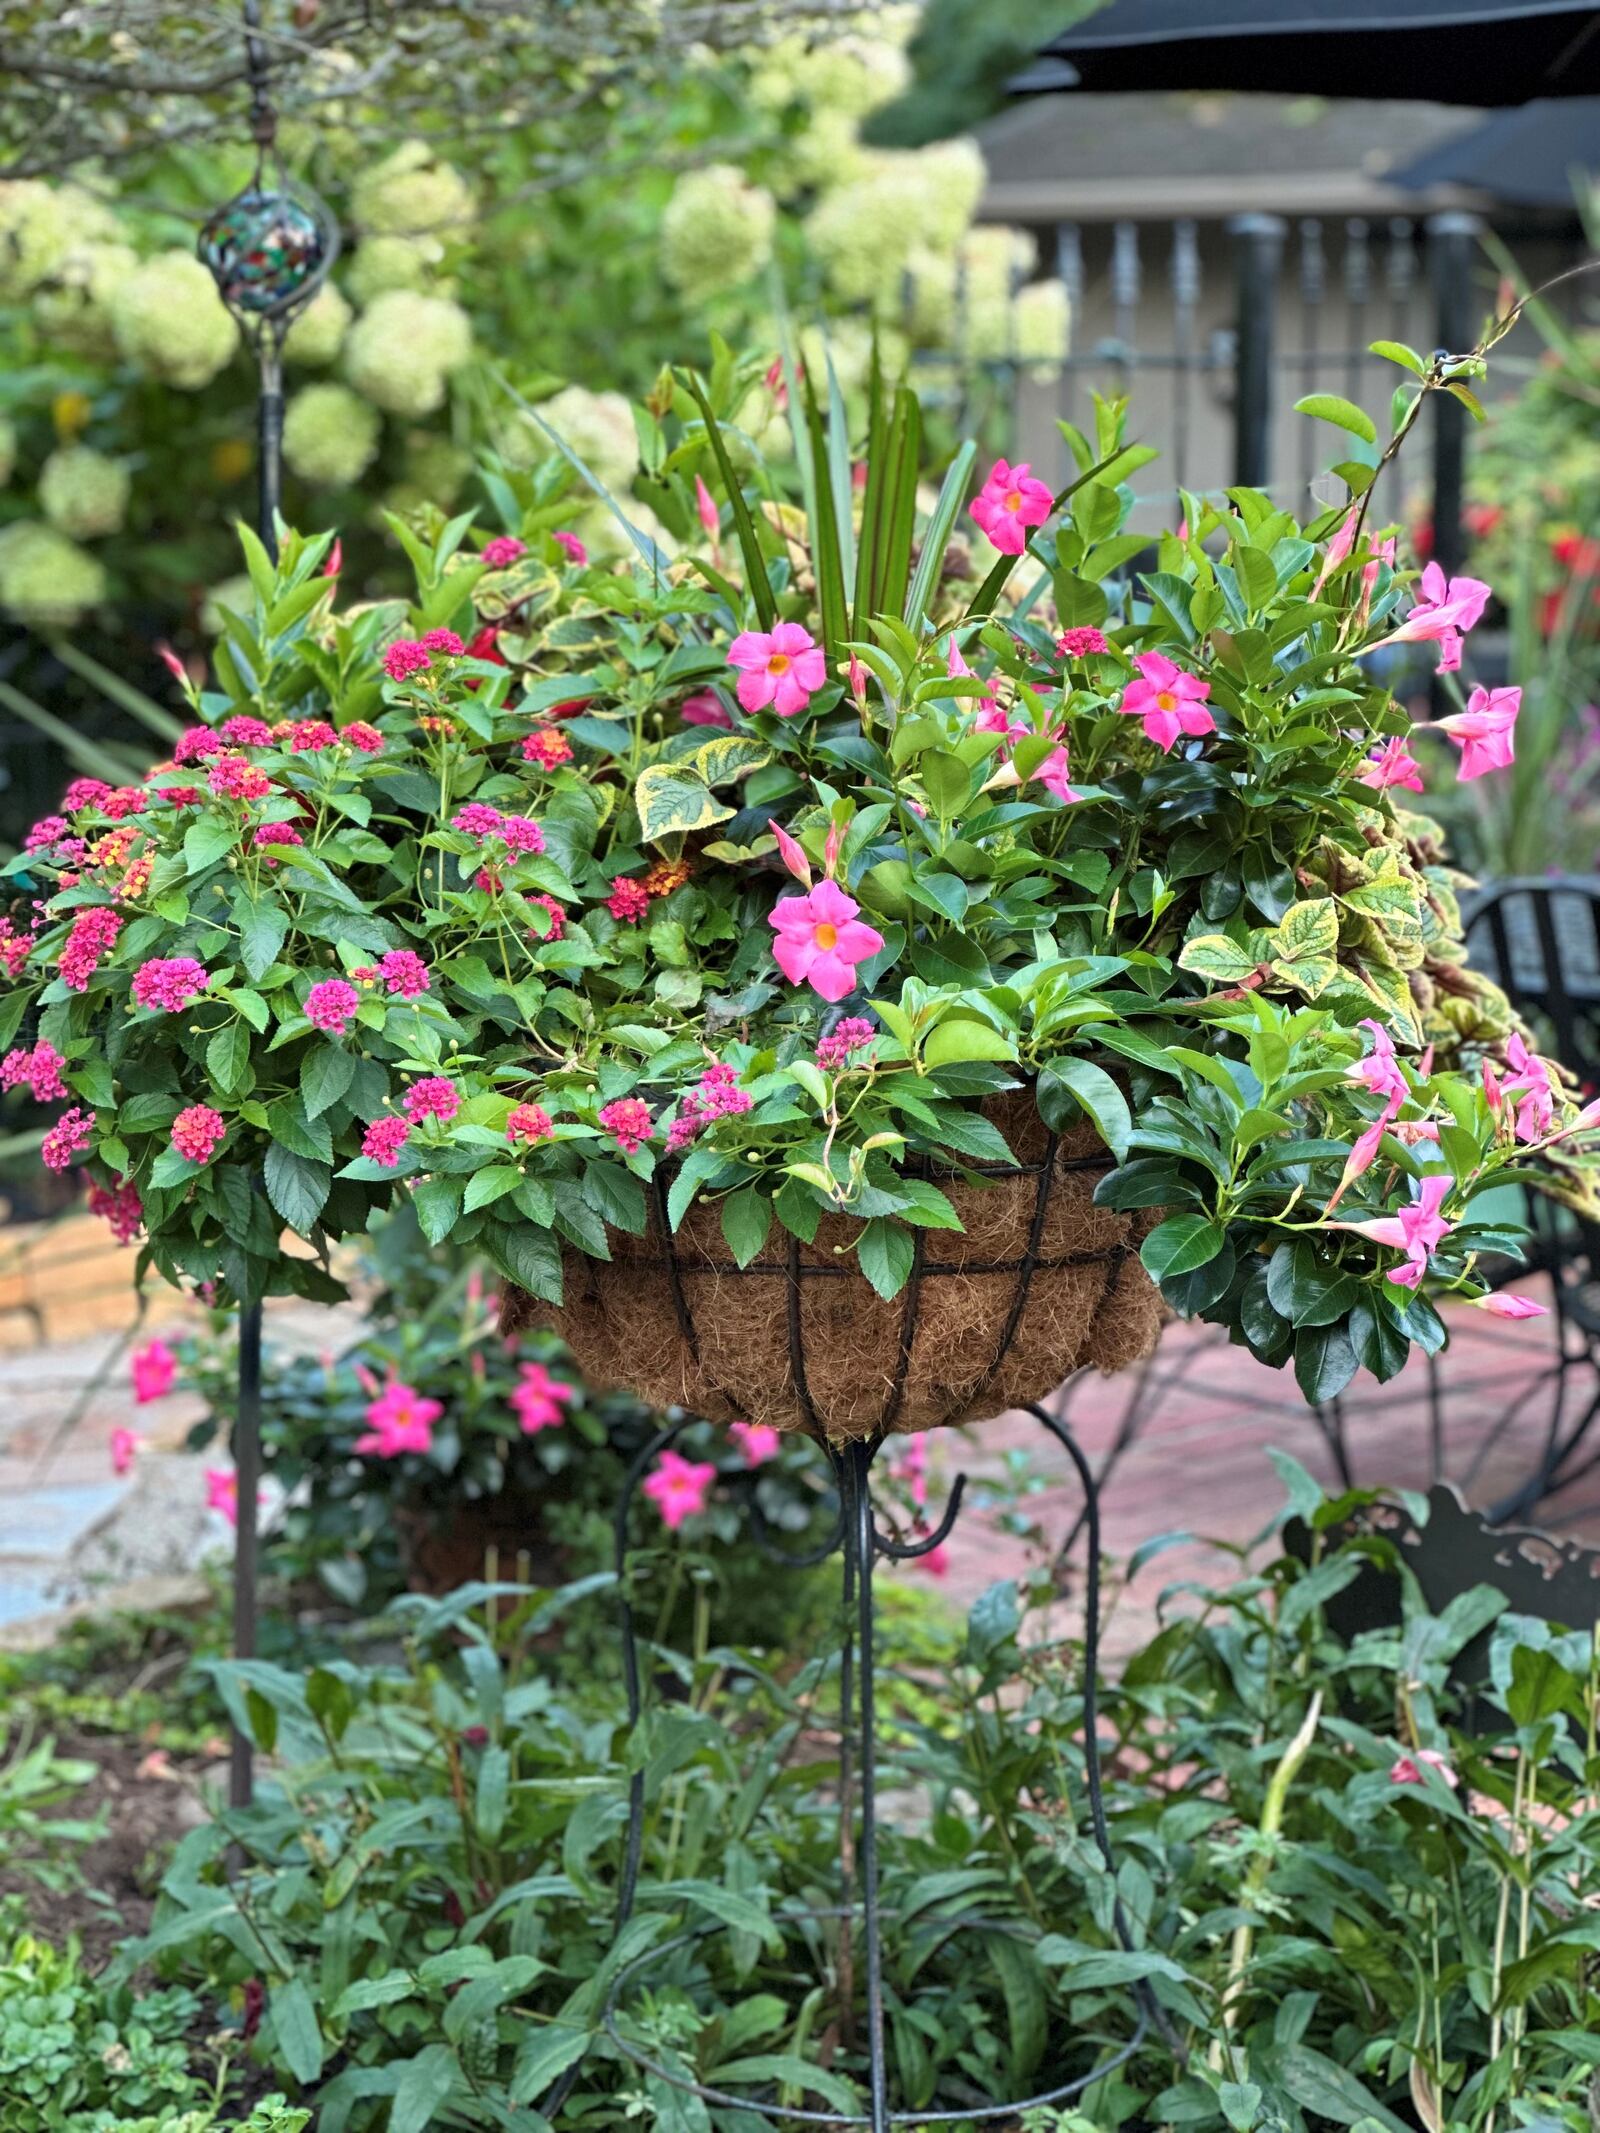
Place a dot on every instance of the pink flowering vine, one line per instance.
(1010, 502)
(153, 1370)
(537, 1399)
(783, 667)
(679, 1488)
(821, 939)
(1170, 702)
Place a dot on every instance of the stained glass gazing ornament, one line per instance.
(268, 250)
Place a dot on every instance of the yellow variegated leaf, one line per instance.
(672, 800)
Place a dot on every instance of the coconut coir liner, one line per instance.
(929, 1356)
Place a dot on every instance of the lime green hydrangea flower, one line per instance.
(236, 594)
(401, 350)
(385, 263)
(83, 493)
(170, 322)
(864, 234)
(72, 310)
(330, 435)
(317, 335)
(717, 230)
(47, 581)
(412, 193)
(41, 225)
(597, 426)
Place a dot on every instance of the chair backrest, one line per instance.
(1538, 937)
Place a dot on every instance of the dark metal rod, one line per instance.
(861, 1543)
(1259, 251)
(247, 1495)
(1452, 246)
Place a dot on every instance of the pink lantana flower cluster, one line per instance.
(718, 1096)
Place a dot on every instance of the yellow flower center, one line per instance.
(1014, 500)
(778, 663)
(827, 936)
(1166, 701)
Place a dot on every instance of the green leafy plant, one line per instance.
(79, 2056)
(1347, 1910)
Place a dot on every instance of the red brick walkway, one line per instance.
(1199, 1461)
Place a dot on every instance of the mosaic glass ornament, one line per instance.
(267, 250)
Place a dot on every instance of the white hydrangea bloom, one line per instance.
(317, 335)
(384, 263)
(716, 231)
(865, 233)
(851, 74)
(597, 426)
(401, 350)
(603, 537)
(412, 193)
(1042, 324)
(436, 469)
(170, 322)
(826, 152)
(40, 225)
(47, 581)
(236, 594)
(83, 493)
(330, 435)
(72, 310)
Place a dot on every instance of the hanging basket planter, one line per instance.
(1037, 1283)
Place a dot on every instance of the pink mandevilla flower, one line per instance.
(1170, 702)
(820, 940)
(1499, 1303)
(222, 1492)
(1392, 764)
(154, 1371)
(782, 667)
(1380, 1071)
(679, 1488)
(1485, 731)
(1408, 1769)
(1444, 611)
(705, 708)
(537, 1399)
(758, 1441)
(1011, 501)
(400, 1420)
(1417, 1230)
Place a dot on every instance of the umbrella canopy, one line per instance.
(1487, 52)
(1535, 157)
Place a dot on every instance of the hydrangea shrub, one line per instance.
(761, 875)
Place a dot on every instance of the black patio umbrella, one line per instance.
(1535, 157)
(1487, 52)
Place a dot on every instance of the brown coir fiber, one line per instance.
(1038, 1283)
